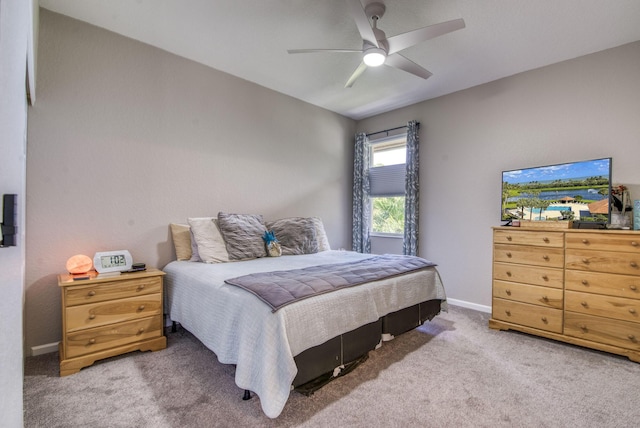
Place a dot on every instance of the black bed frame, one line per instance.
(320, 361)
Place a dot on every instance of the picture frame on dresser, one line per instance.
(576, 286)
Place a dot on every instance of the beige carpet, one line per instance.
(451, 372)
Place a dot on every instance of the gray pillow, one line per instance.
(242, 235)
(297, 235)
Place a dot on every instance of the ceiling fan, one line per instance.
(378, 49)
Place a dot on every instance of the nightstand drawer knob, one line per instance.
(509, 238)
(632, 311)
(544, 319)
(92, 316)
(508, 312)
(545, 277)
(632, 337)
(545, 239)
(92, 341)
(634, 244)
(633, 288)
(585, 282)
(141, 330)
(509, 273)
(583, 327)
(141, 308)
(545, 298)
(508, 254)
(585, 241)
(584, 304)
(91, 293)
(545, 257)
(633, 264)
(585, 261)
(141, 287)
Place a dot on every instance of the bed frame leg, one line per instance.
(247, 395)
(174, 327)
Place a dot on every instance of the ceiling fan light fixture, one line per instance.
(374, 57)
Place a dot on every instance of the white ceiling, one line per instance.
(250, 38)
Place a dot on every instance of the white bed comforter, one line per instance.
(241, 329)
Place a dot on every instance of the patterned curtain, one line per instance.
(361, 241)
(412, 191)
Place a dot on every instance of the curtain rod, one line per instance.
(388, 130)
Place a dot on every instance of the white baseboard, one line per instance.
(469, 305)
(44, 349)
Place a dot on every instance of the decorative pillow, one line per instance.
(321, 235)
(243, 235)
(211, 247)
(297, 235)
(181, 240)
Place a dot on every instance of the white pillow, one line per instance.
(211, 246)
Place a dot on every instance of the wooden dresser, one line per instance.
(577, 286)
(104, 317)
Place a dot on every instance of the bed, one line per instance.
(277, 350)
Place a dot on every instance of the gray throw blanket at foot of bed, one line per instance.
(280, 288)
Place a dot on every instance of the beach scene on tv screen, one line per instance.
(570, 191)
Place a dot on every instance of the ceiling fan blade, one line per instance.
(361, 68)
(297, 51)
(362, 21)
(405, 40)
(402, 63)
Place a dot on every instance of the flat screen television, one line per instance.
(578, 191)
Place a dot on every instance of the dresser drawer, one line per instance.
(603, 283)
(528, 315)
(604, 306)
(97, 314)
(599, 261)
(548, 277)
(537, 256)
(624, 334)
(542, 296)
(604, 242)
(522, 237)
(111, 290)
(98, 339)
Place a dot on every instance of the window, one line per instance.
(386, 177)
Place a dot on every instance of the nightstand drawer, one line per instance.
(528, 315)
(548, 277)
(533, 294)
(79, 295)
(604, 242)
(603, 330)
(537, 256)
(102, 313)
(98, 339)
(603, 306)
(521, 237)
(603, 283)
(599, 261)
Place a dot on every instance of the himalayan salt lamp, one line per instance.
(79, 264)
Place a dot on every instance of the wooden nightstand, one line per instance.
(107, 316)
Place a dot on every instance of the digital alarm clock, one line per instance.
(112, 261)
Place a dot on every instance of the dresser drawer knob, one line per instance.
(92, 316)
(140, 330)
(584, 304)
(509, 238)
(544, 320)
(140, 287)
(545, 277)
(583, 327)
(92, 341)
(632, 311)
(91, 293)
(633, 264)
(545, 239)
(508, 273)
(634, 244)
(545, 298)
(508, 312)
(508, 292)
(585, 241)
(585, 261)
(545, 257)
(631, 337)
(633, 287)
(141, 308)
(509, 254)
(584, 282)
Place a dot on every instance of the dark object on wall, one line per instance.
(9, 220)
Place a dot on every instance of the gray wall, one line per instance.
(15, 23)
(580, 109)
(126, 138)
